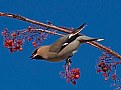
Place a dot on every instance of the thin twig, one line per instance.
(50, 32)
(93, 43)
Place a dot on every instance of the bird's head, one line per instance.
(36, 55)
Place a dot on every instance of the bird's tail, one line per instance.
(79, 29)
(88, 39)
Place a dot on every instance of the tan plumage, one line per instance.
(63, 48)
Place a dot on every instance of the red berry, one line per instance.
(104, 74)
(98, 70)
(77, 76)
(34, 44)
(20, 49)
(9, 43)
(12, 44)
(105, 69)
(6, 45)
(14, 34)
(73, 70)
(114, 76)
(29, 39)
(103, 57)
(77, 71)
(73, 82)
(39, 38)
(101, 64)
(17, 46)
(19, 41)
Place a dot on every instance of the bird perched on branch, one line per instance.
(64, 48)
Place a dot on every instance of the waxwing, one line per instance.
(63, 48)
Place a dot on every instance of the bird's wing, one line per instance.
(64, 41)
(61, 43)
(57, 46)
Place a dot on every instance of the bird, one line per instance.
(64, 48)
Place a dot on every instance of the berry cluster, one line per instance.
(71, 75)
(107, 65)
(14, 41)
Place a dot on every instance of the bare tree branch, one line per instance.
(93, 43)
(50, 32)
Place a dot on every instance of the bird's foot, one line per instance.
(68, 61)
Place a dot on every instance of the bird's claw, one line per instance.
(68, 61)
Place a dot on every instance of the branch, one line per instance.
(93, 43)
(50, 32)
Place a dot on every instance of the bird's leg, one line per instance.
(68, 64)
(68, 61)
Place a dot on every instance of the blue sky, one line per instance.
(18, 72)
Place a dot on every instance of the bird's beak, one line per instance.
(31, 57)
(35, 57)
